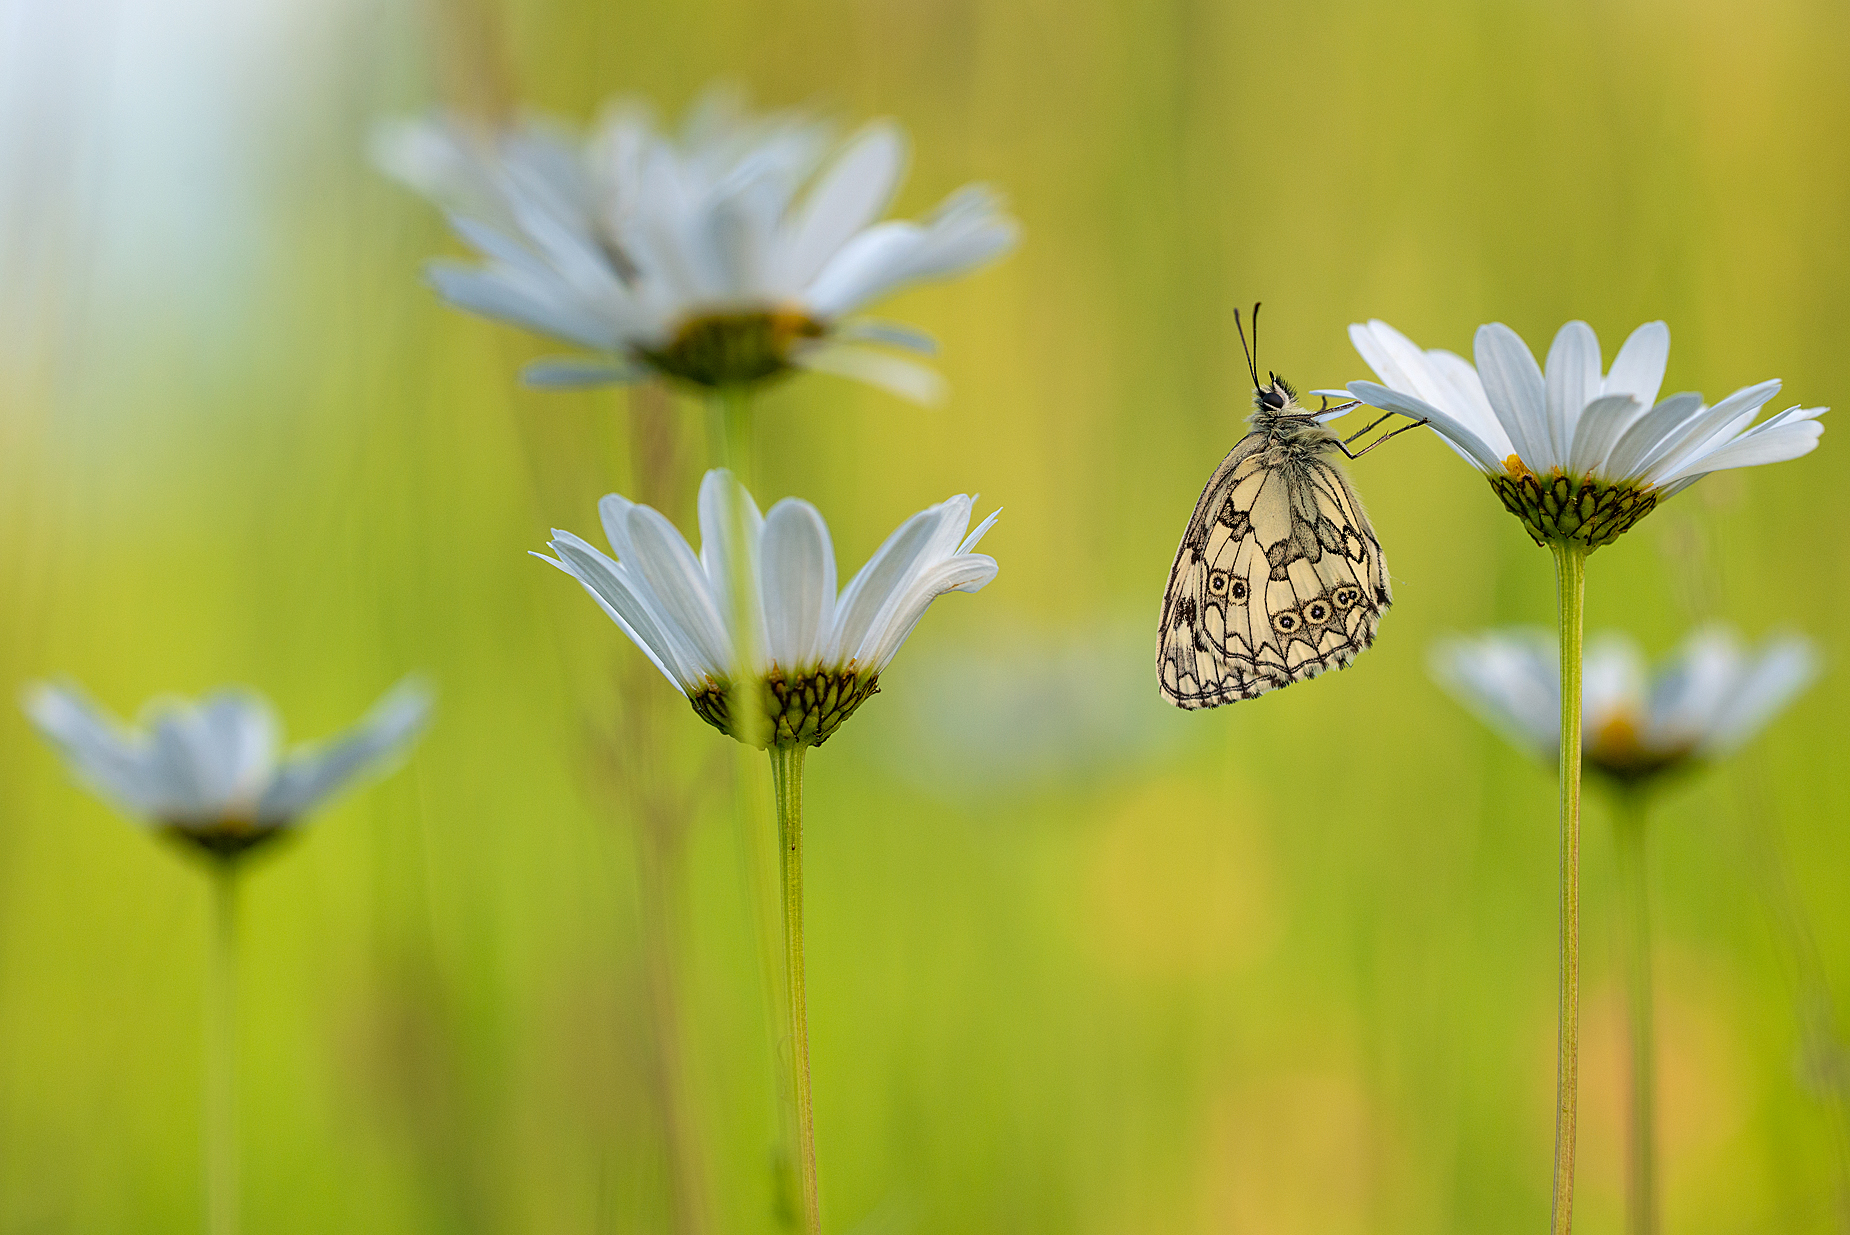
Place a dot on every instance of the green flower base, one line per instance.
(225, 839)
(733, 349)
(802, 711)
(1561, 508)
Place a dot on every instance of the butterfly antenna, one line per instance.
(1250, 366)
(1255, 355)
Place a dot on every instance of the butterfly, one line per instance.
(1279, 575)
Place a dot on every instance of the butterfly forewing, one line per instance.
(1278, 577)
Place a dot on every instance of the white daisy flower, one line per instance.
(819, 654)
(1575, 454)
(1705, 701)
(209, 772)
(722, 257)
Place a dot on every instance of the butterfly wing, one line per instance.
(1279, 577)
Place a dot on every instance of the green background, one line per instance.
(1078, 963)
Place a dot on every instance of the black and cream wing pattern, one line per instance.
(1278, 578)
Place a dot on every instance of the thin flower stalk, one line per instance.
(221, 1022)
(1641, 1191)
(1570, 603)
(787, 775)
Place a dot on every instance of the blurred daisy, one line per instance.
(1575, 454)
(1703, 702)
(210, 772)
(819, 654)
(721, 257)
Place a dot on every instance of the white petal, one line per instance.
(1702, 433)
(1513, 384)
(893, 334)
(631, 606)
(1601, 425)
(1465, 397)
(182, 764)
(912, 547)
(1692, 689)
(1785, 668)
(240, 736)
(1751, 450)
(968, 230)
(577, 373)
(897, 376)
(969, 572)
(1460, 438)
(799, 584)
(685, 596)
(1625, 461)
(492, 294)
(862, 267)
(309, 777)
(1510, 681)
(1638, 369)
(111, 761)
(1573, 381)
(982, 529)
(729, 535)
(852, 194)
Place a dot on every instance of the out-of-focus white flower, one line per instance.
(210, 772)
(721, 257)
(1703, 702)
(817, 654)
(1575, 454)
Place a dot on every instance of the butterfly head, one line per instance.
(1277, 399)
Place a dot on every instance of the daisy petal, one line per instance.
(1638, 369)
(909, 381)
(852, 194)
(1573, 379)
(1513, 384)
(799, 584)
(1601, 426)
(1455, 434)
(310, 777)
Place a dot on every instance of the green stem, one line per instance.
(1641, 1157)
(787, 773)
(1570, 602)
(729, 431)
(221, 1097)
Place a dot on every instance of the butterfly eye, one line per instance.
(1346, 596)
(1286, 622)
(1217, 583)
(1239, 589)
(1273, 398)
(1318, 611)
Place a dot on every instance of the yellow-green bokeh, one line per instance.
(1283, 967)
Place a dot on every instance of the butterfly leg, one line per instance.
(1344, 444)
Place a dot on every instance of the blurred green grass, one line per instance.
(1290, 969)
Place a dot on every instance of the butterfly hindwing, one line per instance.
(1279, 577)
